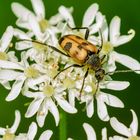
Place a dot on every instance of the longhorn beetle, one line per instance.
(84, 53)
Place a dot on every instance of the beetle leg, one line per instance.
(74, 65)
(52, 47)
(102, 59)
(86, 74)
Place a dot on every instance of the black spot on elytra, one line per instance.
(67, 46)
(80, 47)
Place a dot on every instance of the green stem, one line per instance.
(63, 125)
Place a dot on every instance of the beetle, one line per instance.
(82, 52)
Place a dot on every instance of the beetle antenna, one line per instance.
(121, 71)
(52, 47)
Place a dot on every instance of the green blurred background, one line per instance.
(129, 12)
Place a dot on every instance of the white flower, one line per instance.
(22, 73)
(103, 99)
(128, 133)
(90, 93)
(91, 135)
(4, 54)
(34, 51)
(30, 135)
(35, 22)
(44, 101)
(113, 39)
(9, 133)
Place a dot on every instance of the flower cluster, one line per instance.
(44, 71)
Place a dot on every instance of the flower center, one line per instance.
(48, 90)
(31, 72)
(53, 69)
(8, 135)
(68, 83)
(3, 56)
(134, 138)
(43, 24)
(107, 48)
(40, 47)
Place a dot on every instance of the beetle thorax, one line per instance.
(94, 62)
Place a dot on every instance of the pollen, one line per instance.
(39, 47)
(94, 88)
(8, 135)
(134, 138)
(31, 72)
(3, 56)
(48, 90)
(43, 24)
(68, 83)
(107, 48)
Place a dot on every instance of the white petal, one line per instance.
(6, 84)
(104, 30)
(115, 85)
(57, 18)
(34, 94)
(6, 39)
(104, 134)
(20, 11)
(10, 65)
(20, 34)
(119, 127)
(35, 27)
(16, 89)
(71, 97)
(98, 25)
(32, 82)
(39, 8)
(115, 37)
(65, 105)
(41, 114)
(89, 131)
(46, 135)
(90, 108)
(2, 131)
(12, 57)
(32, 131)
(23, 45)
(102, 109)
(69, 139)
(33, 107)
(112, 100)
(9, 75)
(53, 109)
(16, 122)
(134, 124)
(67, 16)
(127, 61)
(23, 24)
(118, 138)
(90, 14)
(111, 62)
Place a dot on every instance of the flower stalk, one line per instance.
(63, 125)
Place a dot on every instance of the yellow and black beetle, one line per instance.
(82, 52)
